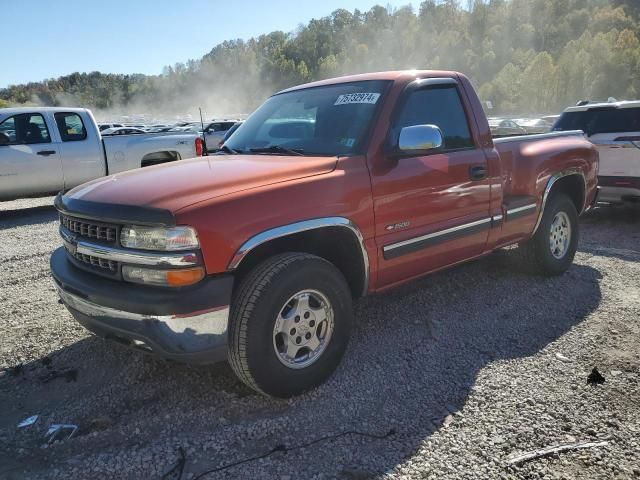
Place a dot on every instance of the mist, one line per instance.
(523, 56)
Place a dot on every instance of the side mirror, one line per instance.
(4, 139)
(419, 139)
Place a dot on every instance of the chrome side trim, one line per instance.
(303, 226)
(520, 209)
(554, 178)
(212, 321)
(138, 258)
(459, 228)
(539, 136)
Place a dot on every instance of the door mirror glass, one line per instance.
(419, 138)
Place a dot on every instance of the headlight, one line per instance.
(159, 238)
(164, 278)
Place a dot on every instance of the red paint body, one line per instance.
(229, 199)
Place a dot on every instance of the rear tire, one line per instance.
(552, 249)
(290, 324)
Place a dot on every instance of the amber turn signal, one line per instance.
(180, 278)
(165, 278)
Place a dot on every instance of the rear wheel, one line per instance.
(552, 249)
(290, 324)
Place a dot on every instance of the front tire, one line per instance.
(552, 248)
(290, 324)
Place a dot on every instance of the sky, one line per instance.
(51, 39)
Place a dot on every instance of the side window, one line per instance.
(441, 107)
(71, 127)
(24, 129)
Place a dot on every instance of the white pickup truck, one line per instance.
(614, 128)
(45, 150)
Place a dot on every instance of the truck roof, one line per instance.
(390, 75)
(589, 106)
(14, 110)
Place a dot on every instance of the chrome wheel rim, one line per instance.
(303, 329)
(560, 235)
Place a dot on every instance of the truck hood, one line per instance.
(175, 185)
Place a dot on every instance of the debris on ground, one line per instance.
(545, 452)
(595, 377)
(27, 422)
(60, 432)
(562, 358)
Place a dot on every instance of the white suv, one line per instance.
(615, 130)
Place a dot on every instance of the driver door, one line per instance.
(29, 159)
(431, 210)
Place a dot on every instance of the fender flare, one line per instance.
(304, 226)
(551, 182)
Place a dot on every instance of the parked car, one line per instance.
(104, 126)
(159, 129)
(123, 131)
(552, 119)
(534, 125)
(229, 133)
(44, 150)
(214, 132)
(256, 254)
(505, 128)
(614, 127)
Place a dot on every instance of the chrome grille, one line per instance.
(89, 229)
(96, 262)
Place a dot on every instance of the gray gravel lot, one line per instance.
(463, 365)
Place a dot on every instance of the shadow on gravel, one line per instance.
(612, 231)
(613, 214)
(413, 360)
(27, 216)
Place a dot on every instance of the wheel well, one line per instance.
(159, 157)
(338, 245)
(572, 185)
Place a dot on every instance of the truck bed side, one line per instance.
(126, 152)
(530, 164)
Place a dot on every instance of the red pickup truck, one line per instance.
(328, 192)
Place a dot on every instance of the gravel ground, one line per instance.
(467, 367)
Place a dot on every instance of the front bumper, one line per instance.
(187, 324)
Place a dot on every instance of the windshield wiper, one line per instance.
(277, 149)
(230, 150)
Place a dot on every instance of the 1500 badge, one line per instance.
(397, 226)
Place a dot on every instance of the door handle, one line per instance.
(479, 172)
(46, 153)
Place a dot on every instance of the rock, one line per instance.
(447, 421)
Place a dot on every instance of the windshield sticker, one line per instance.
(349, 98)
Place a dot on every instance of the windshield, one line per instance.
(327, 121)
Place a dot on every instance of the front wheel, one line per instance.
(552, 249)
(290, 324)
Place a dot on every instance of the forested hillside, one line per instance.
(522, 55)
